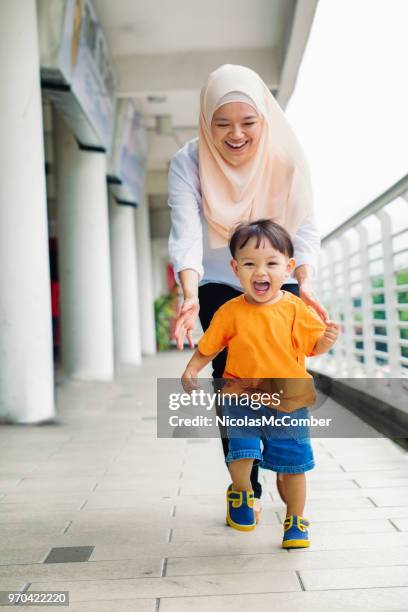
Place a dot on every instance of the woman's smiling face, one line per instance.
(236, 130)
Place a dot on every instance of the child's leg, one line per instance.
(240, 497)
(280, 485)
(240, 471)
(295, 526)
(240, 459)
(294, 486)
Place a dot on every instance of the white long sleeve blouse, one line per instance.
(188, 241)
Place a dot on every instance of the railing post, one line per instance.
(334, 308)
(366, 304)
(348, 340)
(391, 306)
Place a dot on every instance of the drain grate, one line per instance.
(69, 554)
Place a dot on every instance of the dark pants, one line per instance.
(211, 296)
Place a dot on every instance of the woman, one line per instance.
(246, 164)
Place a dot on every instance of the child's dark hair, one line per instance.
(262, 230)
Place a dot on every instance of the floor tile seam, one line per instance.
(133, 578)
(162, 597)
(169, 555)
(165, 567)
(141, 558)
(166, 578)
(350, 520)
(179, 596)
(360, 588)
(301, 583)
(395, 526)
(170, 578)
(304, 593)
(402, 565)
(277, 554)
(290, 569)
(67, 527)
(245, 554)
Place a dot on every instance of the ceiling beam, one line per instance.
(301, 27)
(189, 70)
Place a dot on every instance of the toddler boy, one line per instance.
(268, 333)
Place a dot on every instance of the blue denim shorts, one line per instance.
(285, 448)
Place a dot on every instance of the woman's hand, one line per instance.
(186, 322)
(309, 298)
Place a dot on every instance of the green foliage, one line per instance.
(402, 277)
(403, 315)
(377, 281)
(379, 314)
(163, 312)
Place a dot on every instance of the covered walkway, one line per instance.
(91, 501)
(150, 512)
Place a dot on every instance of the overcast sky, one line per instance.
(350, 105)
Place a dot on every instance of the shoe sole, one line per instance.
(296, 544)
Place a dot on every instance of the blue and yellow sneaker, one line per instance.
(296, 533)
(240, 509)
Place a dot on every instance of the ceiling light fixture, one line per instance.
(157, 99)
(164, 127)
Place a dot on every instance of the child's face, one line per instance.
(261, 271)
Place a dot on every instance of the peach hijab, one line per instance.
(273, 184)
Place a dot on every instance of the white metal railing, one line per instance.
(363, 282)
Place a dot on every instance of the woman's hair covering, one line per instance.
(273, 184)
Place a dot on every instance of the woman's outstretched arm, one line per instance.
(185, 240)
(188, 313)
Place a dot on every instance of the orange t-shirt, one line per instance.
(263, 340)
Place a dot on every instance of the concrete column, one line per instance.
(126, 324)
(145, 279)
(160, 259)
(26, 362)
(84, 258)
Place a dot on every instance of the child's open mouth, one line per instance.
(260, 287)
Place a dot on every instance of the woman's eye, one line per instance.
(249, 124)
(271, 263)
(248, 265)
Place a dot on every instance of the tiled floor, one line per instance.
(153, 511)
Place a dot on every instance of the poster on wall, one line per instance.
(127, 165)
(77, 70)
